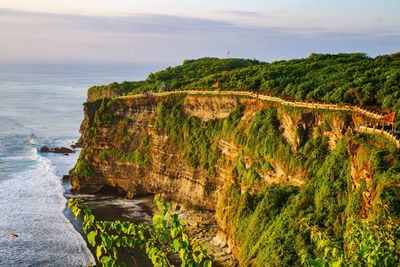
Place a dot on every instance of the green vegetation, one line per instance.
(230, 124)
(164, 240)
(138, 157)
(113, 89)
(342, 78)
(280, 223)
(174, 78)
(269, 225)
(368, 244)
(83, 169)
(322, 221)
(390, 197)
(185, 75)
(195, 138)
(127, 148)
(102, 115)
(264, 139)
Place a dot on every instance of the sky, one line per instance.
(169, 31)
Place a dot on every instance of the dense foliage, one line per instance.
(268, 224)
(176, 77)
(323, 222)
(136, 156)
(367, 244)
(342, 78)
(166, 239)
(195, 138)
(281, 225)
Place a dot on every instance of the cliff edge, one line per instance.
(265, 170)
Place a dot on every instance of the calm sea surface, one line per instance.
(42, 105)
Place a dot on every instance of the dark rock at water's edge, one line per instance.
(98, 189)
(62, 150)
(111, 191)
(65, 178)
(44, 149)
(78, 144)
(59, 150)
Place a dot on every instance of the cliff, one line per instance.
(265, 169)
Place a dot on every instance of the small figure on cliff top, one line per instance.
(146, 93)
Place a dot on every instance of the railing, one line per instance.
(388, 134)
(312, 105)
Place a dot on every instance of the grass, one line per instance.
(138, 157)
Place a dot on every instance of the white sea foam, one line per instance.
(42, 105)
(31, 206)
(32, 141)
(16, 158)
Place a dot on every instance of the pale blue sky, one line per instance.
(168, 31)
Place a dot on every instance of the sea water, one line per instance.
(42, 105)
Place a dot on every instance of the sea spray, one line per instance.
(32, 205)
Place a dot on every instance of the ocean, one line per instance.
(42, 105)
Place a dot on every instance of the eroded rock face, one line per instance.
(362, 171)
(202, 107)
(169, 172)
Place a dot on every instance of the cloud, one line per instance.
(240, 13)
(162, 38)
(137, 23)
(162, 24)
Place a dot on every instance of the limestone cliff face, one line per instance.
(169, 172)
(121, 147)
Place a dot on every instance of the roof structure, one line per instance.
(388, 118)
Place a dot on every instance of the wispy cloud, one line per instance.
(160, 24)
(138, 23)
(154, 37)
(240, 13)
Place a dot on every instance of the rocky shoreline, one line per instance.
(58, 150)
(200, 224)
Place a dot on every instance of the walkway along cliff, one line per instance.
(267, 167)
(375, 118)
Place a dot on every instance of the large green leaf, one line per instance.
(106, 240)
(317, 263)
(92, 238)
(207, 263)
(176, 245)
(99, 251)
